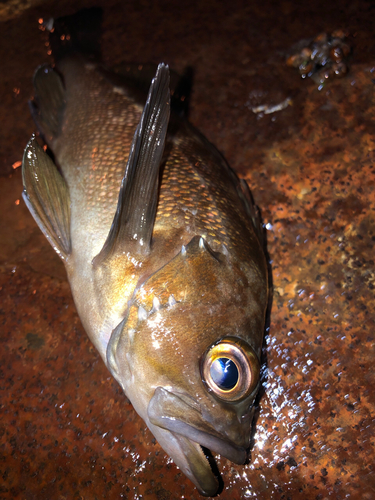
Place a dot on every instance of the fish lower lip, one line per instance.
(168, 411)
(199, 467)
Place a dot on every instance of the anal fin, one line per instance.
(133, 222)
(47, 197)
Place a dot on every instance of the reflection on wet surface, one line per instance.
(67, 431)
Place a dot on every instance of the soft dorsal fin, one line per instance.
(48, 106)
(47, 197)
(133, 222)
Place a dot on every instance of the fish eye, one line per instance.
(230, 368)
(224, 373)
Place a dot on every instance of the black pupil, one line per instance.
(224, 373)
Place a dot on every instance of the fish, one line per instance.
(162, 246)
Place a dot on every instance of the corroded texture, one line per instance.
(67, 431)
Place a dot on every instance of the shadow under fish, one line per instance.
(161, 243)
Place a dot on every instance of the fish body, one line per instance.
(161, 244)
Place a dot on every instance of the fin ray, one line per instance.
(47, 197)
(133, 222)
(48, 106)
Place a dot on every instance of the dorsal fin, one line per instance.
(47, 197)
(48, 105)
(133, 222)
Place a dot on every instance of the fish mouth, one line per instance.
(188, 432)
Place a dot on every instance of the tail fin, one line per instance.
(78, 33)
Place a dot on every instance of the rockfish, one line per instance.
(162, 247)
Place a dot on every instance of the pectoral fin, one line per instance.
(47, 197)
(133, 223)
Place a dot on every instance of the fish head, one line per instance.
(187, 356)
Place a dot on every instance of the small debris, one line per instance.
(321, 58)
(267, 109)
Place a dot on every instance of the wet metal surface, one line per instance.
(66, 430)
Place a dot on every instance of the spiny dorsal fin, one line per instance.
(49, 103)
(133, 223)
(47, 197)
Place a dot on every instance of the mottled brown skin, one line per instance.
(219, 288)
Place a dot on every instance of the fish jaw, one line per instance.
(182, 431)
(180, 415)
(189, 458)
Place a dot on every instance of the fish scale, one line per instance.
(102, 150)
(105, 146)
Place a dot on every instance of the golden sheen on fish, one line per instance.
(161, 245)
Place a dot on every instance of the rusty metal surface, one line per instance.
(66, 430)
